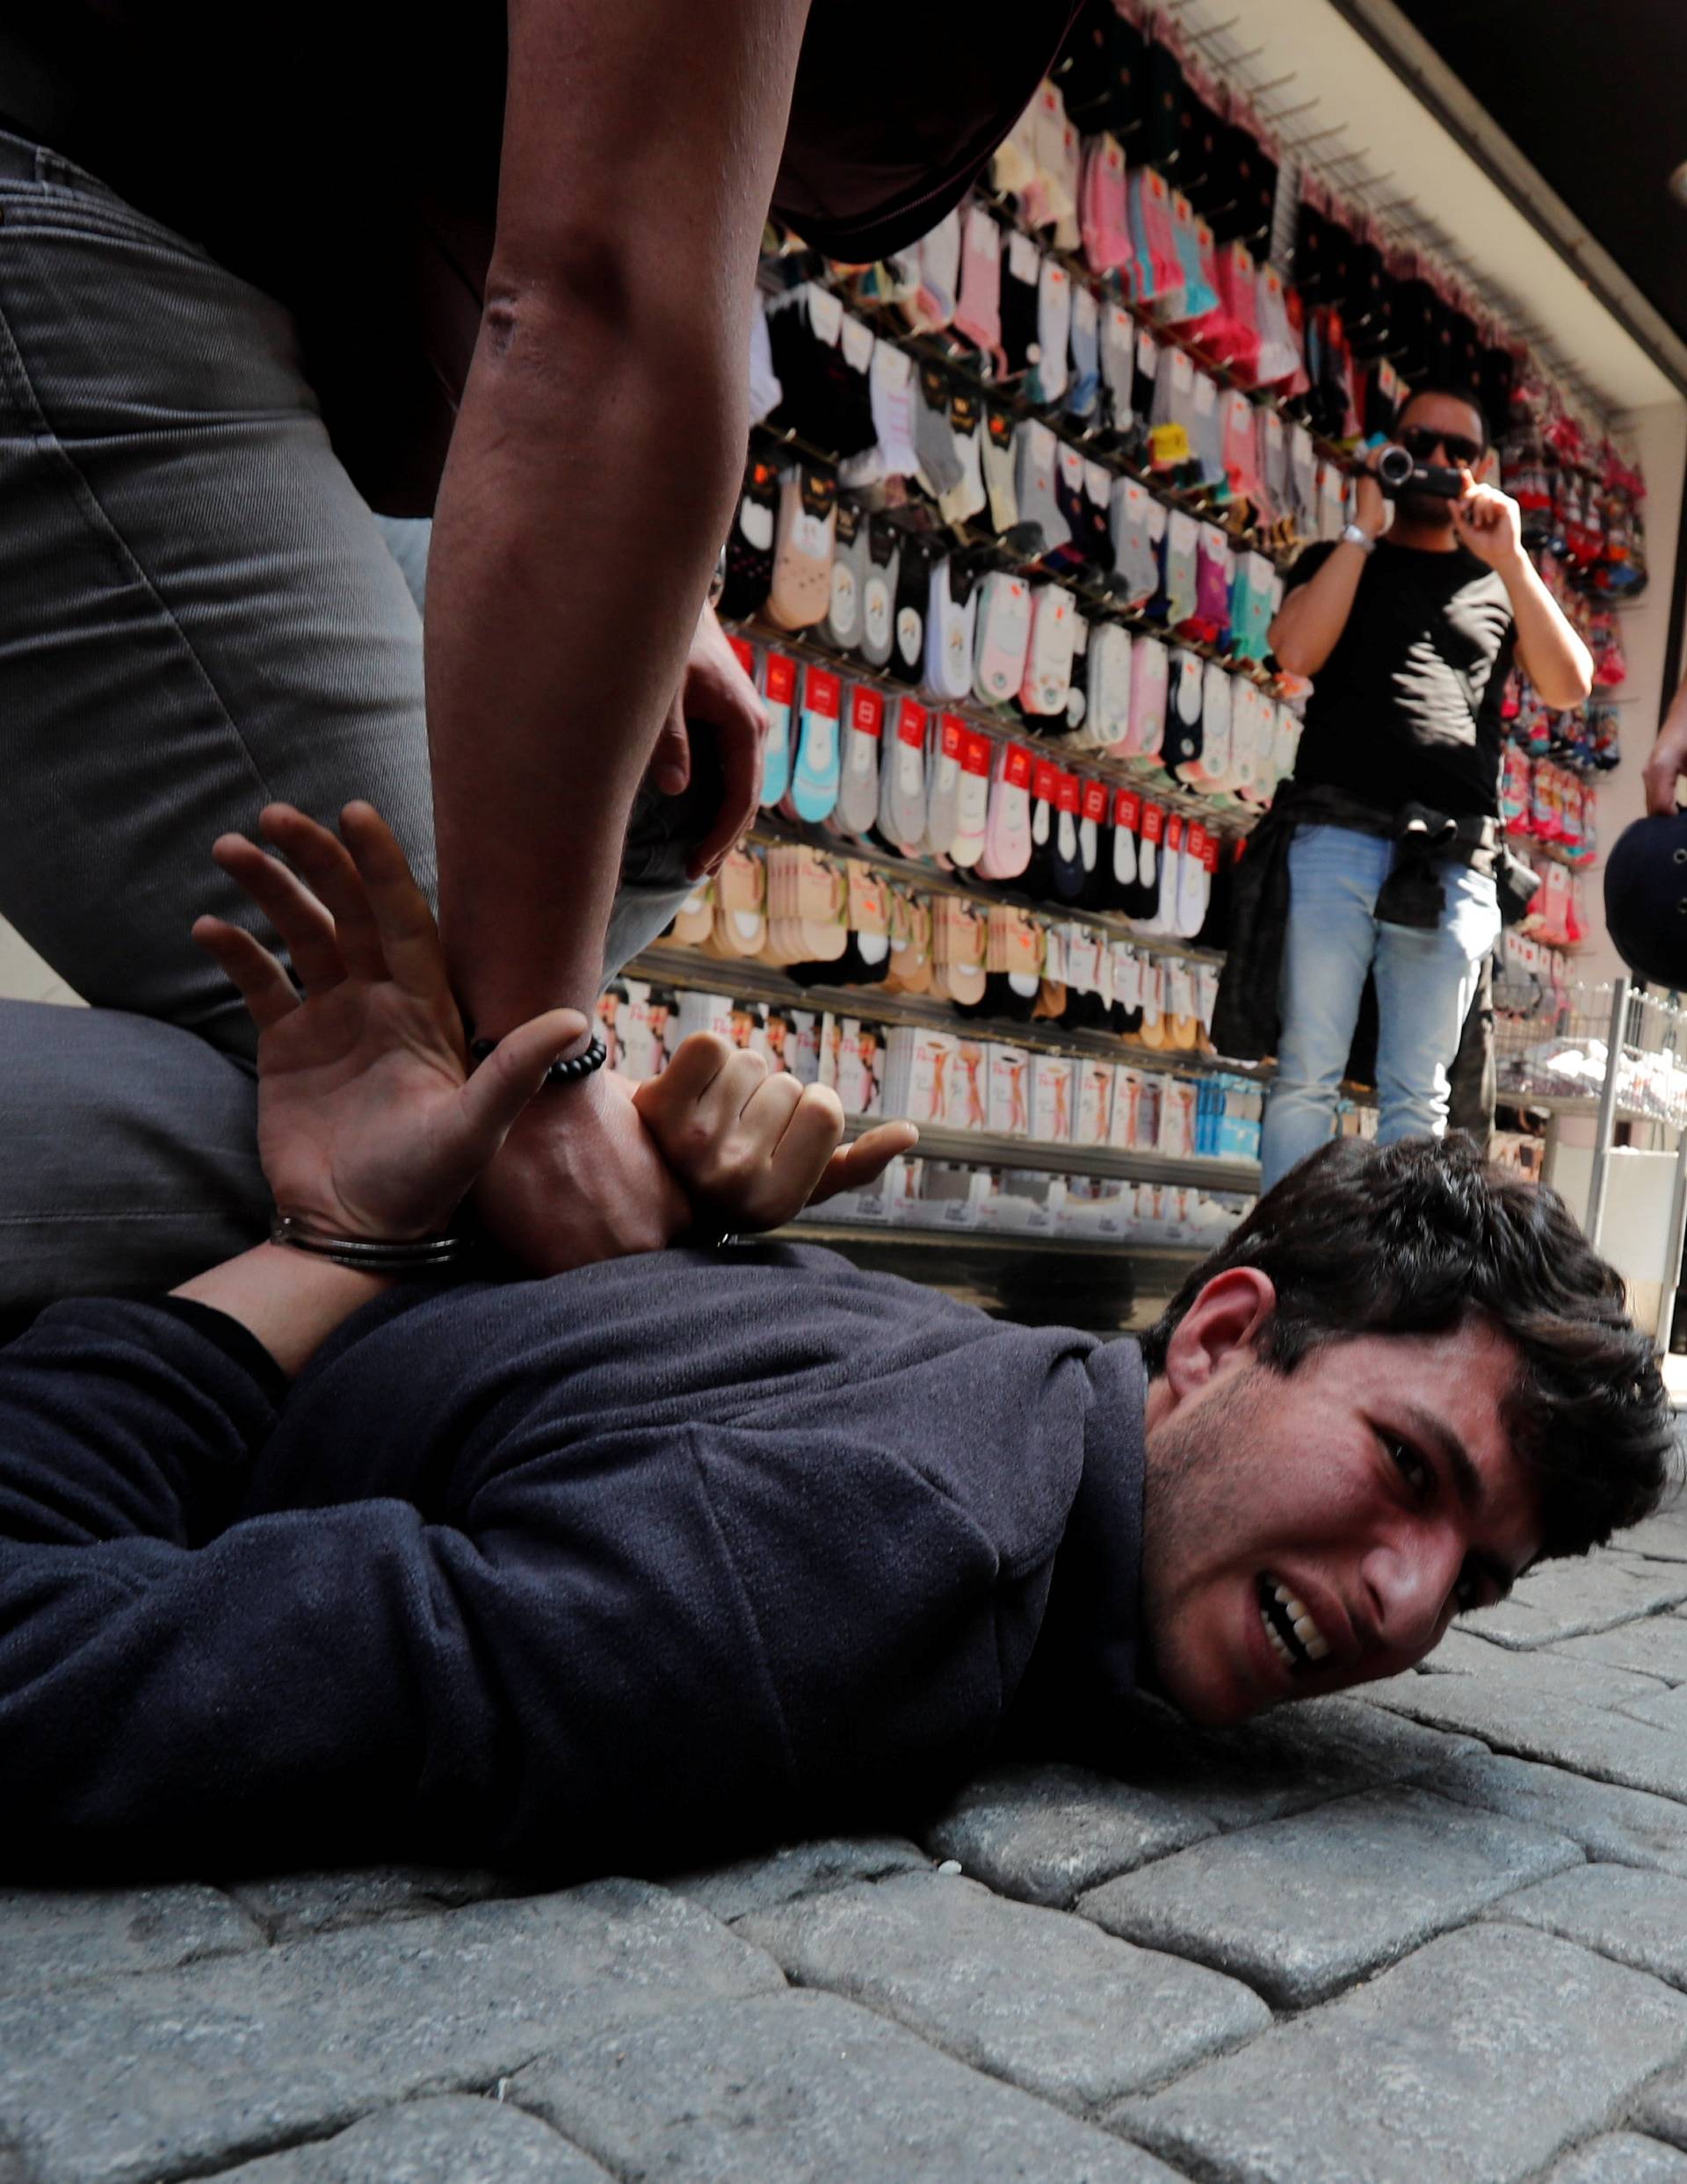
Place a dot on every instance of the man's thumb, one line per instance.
(511, 1073)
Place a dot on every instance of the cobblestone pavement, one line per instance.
(1436, 1932)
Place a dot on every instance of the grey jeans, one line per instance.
(198, 614)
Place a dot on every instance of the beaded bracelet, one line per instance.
(569, 1071)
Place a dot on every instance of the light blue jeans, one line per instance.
(198, 614)
(1426, 978)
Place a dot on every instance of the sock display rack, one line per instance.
(1012, 532)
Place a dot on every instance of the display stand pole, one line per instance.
(1606, 1124)
(1673, 1248)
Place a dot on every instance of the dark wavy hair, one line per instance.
(1413, 1238)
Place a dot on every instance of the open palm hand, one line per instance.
(370, 1124)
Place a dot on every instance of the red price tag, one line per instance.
(1127, 810)
(955, 732)
(1154, 822)
(1095, 801)
(1018, 771)
(976, 758)
(1067, 799)
(822, 692)
(866, 710)
(1045, 781)
(910, 723)
(781, 678)
(746, 653)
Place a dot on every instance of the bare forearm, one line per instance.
(290, 1301)
(589, 487)
(1558, 663)
(1309, 625)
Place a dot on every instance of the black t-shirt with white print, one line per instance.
(1407, 707)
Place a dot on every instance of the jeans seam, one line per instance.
(106, 533)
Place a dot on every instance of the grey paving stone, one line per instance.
(1510, 1718)
(53, 1938)
(1284, 1761)
(449, 2140)
(1625, 1827)
(172, 2073)
(1482, 2056)
(1654, 1646)
(292, 1904)
(1663, 1710)
(1034, 1996)
(1545, 1669)
(1662, 2110)
(781, 1876)
(809, 2089)
(1046, 1834)
(1564, 1599)
(1639, 1918)
(1299, 1907)
(1664, 1534)
(1620, 2158)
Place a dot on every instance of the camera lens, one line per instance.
(1394, 466)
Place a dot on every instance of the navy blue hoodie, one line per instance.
(645, 1563)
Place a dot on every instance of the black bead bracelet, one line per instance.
(570, 1072)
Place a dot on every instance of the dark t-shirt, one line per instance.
(1407, 708)
(346, 159)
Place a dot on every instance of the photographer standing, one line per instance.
(1409, 626)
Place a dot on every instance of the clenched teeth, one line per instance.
(1303, 1642)
(1305, 1628)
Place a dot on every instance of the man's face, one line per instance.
(1308, 1530)
(1426, 423)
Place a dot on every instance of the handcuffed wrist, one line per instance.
(417, 1257)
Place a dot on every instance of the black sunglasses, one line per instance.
(1421, 441)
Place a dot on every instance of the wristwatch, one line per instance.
(1355, 534)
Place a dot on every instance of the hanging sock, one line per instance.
(779, 695)
(1134, 559)
(1053, 331)
(1007, 836)
(882, 573)
(1002, 638)
(1150, 683)
(996, 456)
(950, 624)
(812, 792)
(1036, 453)
(940, 467)
(978, 313)
(1184, 737)
(945, 747)
(901, 778)
(842, 626)
(801, 589)
(863, 729)
(1083, 392)
(1103, 209)
(906, 659)
(967, 499)
(972, 803)
(749, 545)
(1048, 664)
(890, 387)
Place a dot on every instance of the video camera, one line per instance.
(1398, 472)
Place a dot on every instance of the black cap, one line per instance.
(1645, 899)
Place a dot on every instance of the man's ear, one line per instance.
(1221, 1331)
